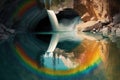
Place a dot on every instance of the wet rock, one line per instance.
(97, 9)
(5, 32)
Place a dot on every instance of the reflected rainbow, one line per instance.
(90, 63)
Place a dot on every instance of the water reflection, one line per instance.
(24, 58)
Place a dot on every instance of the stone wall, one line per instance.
(96, 9)
(104, 10)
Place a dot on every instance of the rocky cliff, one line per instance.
(96, 9)
(103, 17)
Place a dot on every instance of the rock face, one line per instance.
(107, 12)
(91, 9)
(56, 5)
(96, 9)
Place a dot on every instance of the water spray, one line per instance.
(59, 32)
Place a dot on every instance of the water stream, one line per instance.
(60, 33)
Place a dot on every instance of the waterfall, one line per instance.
(53, 20)
(55, 37)
(59, 33)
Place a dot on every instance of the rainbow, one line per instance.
(23, 7)
(92, 58)
(91, 63)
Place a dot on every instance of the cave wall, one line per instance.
(96, 9)
(114, 7)
(104, 10)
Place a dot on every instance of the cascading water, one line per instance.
(55, 37)
(59, 33)
(53, 20)
(55, 27)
